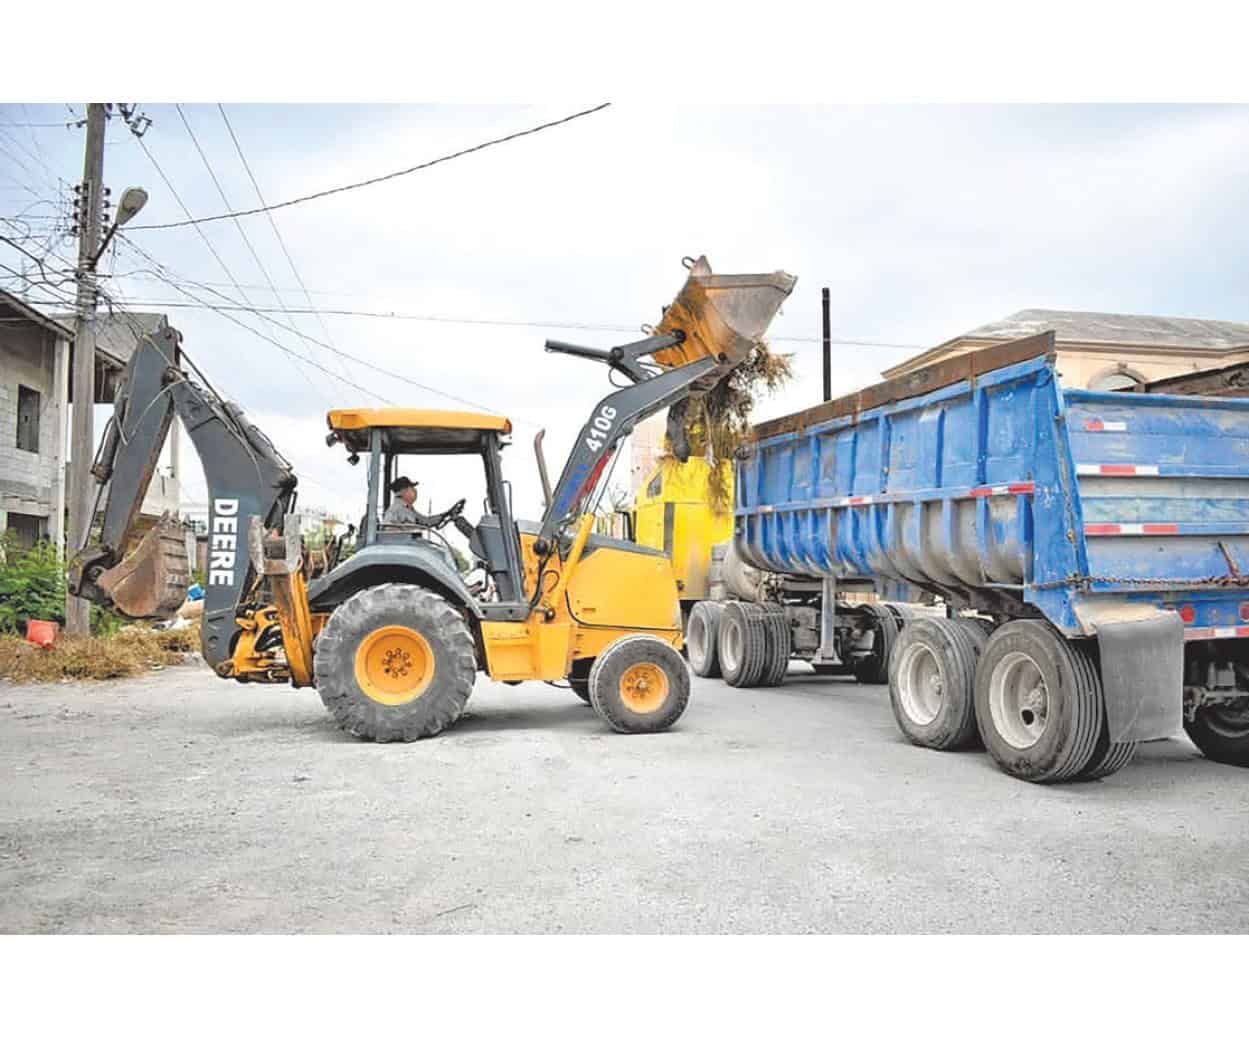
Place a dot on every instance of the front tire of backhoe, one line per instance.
(395, 662)
(639, 684)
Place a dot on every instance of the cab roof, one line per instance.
(416, 430)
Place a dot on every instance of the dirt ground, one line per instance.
(181, 803)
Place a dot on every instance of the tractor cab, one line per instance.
(386, 436)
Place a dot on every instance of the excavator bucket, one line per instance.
(722, 315)
(153, 580)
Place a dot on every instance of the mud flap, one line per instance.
(1143, 676)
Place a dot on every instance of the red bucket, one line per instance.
(42, 633)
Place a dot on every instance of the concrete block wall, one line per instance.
(27, 478)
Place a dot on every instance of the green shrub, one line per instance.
(32, 585)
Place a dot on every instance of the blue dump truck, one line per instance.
(1091, 548)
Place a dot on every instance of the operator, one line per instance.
(401, 511)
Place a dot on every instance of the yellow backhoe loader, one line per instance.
(392, 637)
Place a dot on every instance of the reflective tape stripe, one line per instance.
(1237, 632)
(1114, 469)
(1103, 529)
(1101, 426)
(988, 490)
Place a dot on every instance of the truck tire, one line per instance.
(777, 640)
(639, 684)
(1221, 732)
(741, 644)
(1108, 757)
(932, 683)
(1039, 702)
(874, 666)
(395, 662)
(701, 631)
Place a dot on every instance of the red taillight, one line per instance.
(1244, 612)
(1188, 613)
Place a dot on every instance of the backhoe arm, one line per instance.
(246, 477)
(614, 418)
(710, 328)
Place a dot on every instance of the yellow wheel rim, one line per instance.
(394, 665)
(644, 688)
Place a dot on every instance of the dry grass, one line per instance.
(132, 651)
(718, 423)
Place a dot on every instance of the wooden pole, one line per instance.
(82, 434)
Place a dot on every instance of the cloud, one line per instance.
(923, 221)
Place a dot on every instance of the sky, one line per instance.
(923, 221)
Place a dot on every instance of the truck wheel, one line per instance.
(1038, 702)
(1221, 732)
(395, 662)
(741, 645)
(777, 643)
(932, 683)
(873, 667)
(579, 677)
(639, 684)
(701, 631)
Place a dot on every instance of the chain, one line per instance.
(1084, 582)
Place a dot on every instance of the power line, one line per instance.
(276, 233)
(200, 231)
(373, 180)
(583, 326)
(246, 241)
(311, 339)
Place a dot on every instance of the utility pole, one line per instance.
(828, 346)
(82, 433)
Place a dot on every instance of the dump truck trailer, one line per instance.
(1093, 548)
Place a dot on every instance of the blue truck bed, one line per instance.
(1109, 514)
(1012, 485)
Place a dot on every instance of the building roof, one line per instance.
(17, 307)
(1141, 331)
(1119, 329)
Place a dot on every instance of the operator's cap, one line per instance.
(400, 484)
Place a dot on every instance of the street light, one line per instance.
(132, 200)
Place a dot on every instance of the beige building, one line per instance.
(1106, 351)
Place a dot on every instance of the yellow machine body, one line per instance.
(597, 593)
(674, 513)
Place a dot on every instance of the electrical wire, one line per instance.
(325, 346)
(208, 242)
(441, 319)
(290, 260)
(372, 180)
(246, 241)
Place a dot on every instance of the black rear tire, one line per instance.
(742, 644)
(873, 667)
(701, 632)
(395, 662)
(639, 684)
(1221, 732)
(777, 640)
(932, 682)
(1039, 703)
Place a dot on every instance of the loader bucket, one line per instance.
(153, 580)
(722, 315)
